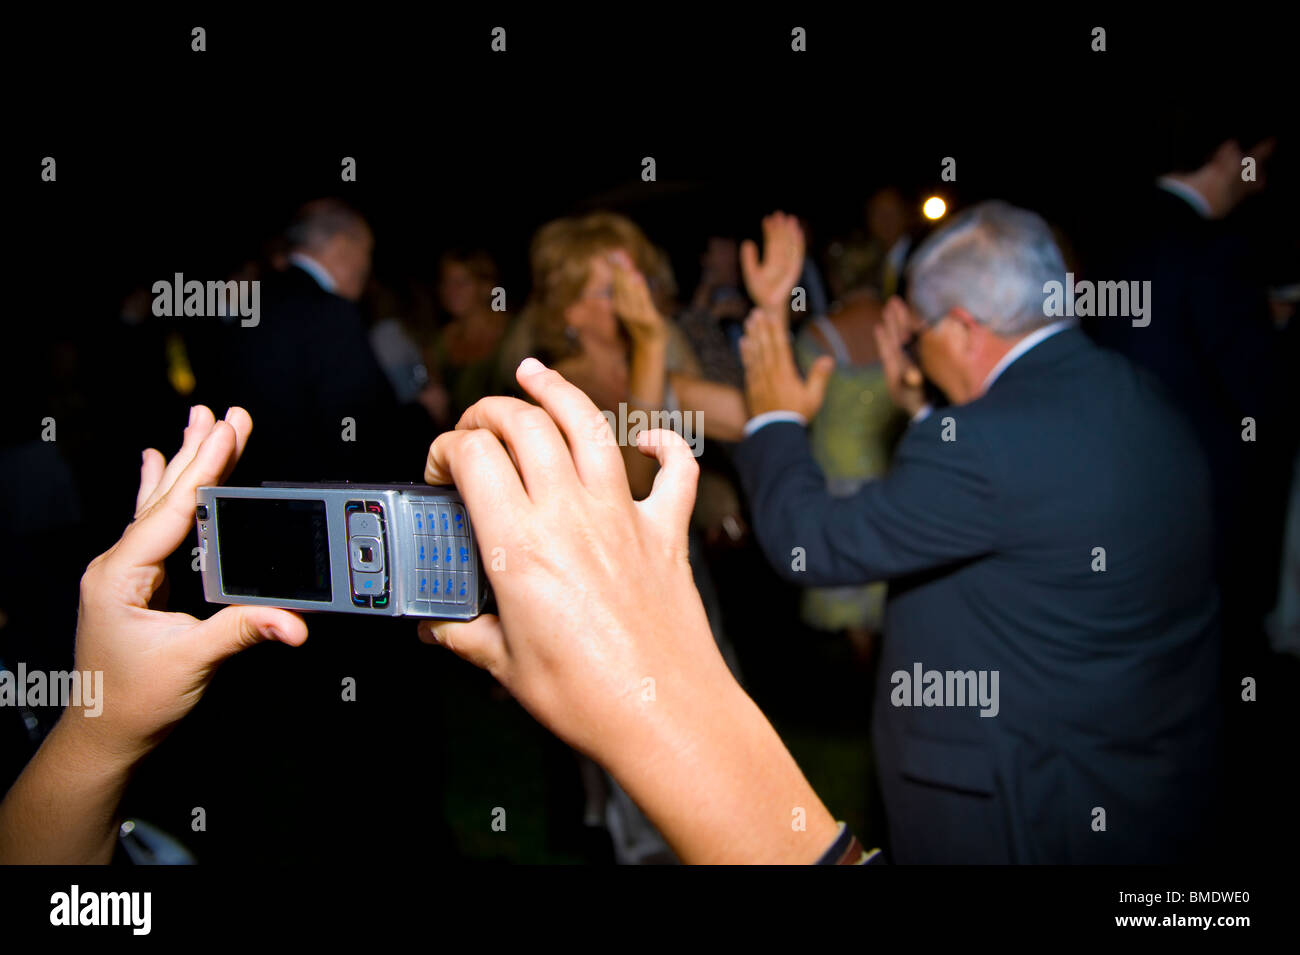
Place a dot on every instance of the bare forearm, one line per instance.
(646, 372)
(62, 810)
(721, 407)
(721, 787)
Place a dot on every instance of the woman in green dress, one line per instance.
(852, 437)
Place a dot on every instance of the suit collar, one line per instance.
(1194, 199)
(315, 270)
(1027, 344)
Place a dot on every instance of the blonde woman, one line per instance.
(593, 317)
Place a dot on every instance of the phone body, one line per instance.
(397, 550)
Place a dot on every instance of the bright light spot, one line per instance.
(934, 208)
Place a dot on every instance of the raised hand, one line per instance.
(771, 279)
(906, 383)
(602, 635)
(633, 303)
(567, 525)
(156, 665)
(772, 380)
(63, 807)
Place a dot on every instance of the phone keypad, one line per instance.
(444, 557)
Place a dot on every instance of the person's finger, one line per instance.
(900, 323)
(477, 463)
(887, 332)
(672, 496)
(819, 376)
(748, 353)
(749, 260)
(242, 422)
(481, 641)
(198, 428)
(228, 631)
(895, 361)
(895, 325)
(169, 520)
(898, 319)
(794, 250)
(887, 347)
(152, 465)
(891, 321)
(797, 237)
(595, 454)
(536, 447)
(755, 333)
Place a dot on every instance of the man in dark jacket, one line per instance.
(306, 372)
(1047, 687)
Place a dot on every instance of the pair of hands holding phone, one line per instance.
(602, 635)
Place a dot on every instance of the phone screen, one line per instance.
(274, 548)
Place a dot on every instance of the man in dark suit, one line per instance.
(1212, 344)
(1232, 371)
(323, 410)
(306, 371)
(1047, 676)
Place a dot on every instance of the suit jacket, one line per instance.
(993, 542)
(1211, 344)
(301, 371)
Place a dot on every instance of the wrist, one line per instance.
(710, 772)
(649, 335)
(80, 741)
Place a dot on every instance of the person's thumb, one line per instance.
(819, 376)
(481, 641)
(748, 257)
(236, 628)
(672, 496)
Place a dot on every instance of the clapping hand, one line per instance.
(906, 383)
(772, 380)
(771, 280)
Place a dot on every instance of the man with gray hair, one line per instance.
(1047, 685)
(331, 242)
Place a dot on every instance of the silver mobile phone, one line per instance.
(389, 549)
